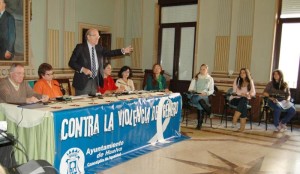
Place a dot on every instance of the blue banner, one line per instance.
(89, 136)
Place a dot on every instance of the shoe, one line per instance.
(234, 126)
(205, 107)
(277, 129)
(283, 127)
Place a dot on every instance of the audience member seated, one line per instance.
(124, 80)
(109, 85)
(14, 89)
(201, 86)
(46, 85)
(243, 90)
(156, 81)
(279, 96)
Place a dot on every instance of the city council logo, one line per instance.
(72, 162)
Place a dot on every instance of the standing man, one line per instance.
(14, 89)
(87, 61)
(7, 33)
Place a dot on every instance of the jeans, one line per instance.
(241, 104)
(194, 98)
(277, 109)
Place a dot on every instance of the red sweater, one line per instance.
(109, 84)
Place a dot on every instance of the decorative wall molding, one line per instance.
(222, 49)
(243, 52)
(69, 44)
(53, 48)
(82, 26)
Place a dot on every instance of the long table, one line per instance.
(86, 132)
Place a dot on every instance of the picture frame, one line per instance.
(21, 11)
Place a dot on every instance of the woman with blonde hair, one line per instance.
(201, 86)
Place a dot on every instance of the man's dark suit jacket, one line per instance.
(7, 34)
(81, 58)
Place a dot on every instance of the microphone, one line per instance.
(62, 89)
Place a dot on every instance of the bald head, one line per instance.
(92, 36)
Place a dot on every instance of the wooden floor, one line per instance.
(220, 150)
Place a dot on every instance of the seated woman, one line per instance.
(46, 85)
(278, 92)
(109, 85)
(201, 86)
(243, 90)
(124, 80)
(156, 81)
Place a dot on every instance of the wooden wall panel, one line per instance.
(53, 48)
(222, 47)
(243, 52)
(69, 40)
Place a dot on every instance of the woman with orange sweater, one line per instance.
(46, 85)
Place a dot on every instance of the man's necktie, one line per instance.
(94, 68)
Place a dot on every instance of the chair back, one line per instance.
(228, 94)
(65, 86)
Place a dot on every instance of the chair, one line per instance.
(230, 107)
(267, 111)
(65, 86)
(187, 106)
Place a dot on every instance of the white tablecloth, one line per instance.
(32, 117)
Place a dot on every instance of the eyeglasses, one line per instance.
(49, 74)
(19, 73)
(95, 35)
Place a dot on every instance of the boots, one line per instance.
(243, 124)
(235, 118)
(205, 107)
(200, 119)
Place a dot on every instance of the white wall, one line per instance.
(262, 32)
(263, 38)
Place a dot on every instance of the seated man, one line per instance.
(13, 89)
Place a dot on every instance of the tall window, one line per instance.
(287, 52)
(287, 46)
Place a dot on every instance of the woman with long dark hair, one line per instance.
(279, 93)
(109, 85)
(156, 81)
(243, 90)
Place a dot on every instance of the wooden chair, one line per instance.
(65, 86)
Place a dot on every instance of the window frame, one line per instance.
(295, 92)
